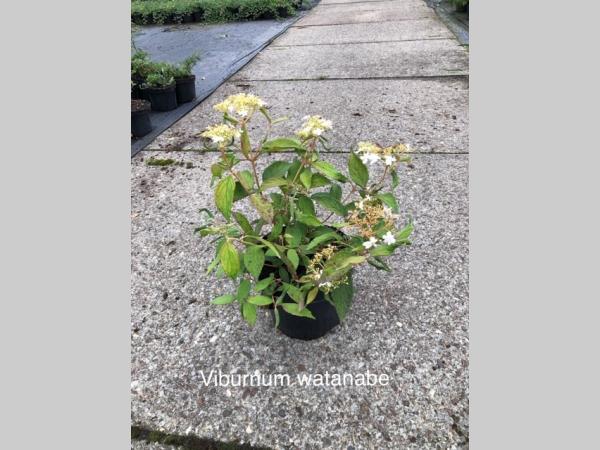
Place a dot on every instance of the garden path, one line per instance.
(383, 70)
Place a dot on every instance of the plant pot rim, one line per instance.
(186, 78)
(160, 89)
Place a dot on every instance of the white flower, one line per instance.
(389, 238)
(360, 204)
(389, 160)
(369, 158)
(370, 243)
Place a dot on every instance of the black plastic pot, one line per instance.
(140, 118)
(162, 98)
(185, 89)
(325, 319)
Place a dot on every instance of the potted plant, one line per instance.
(185, 80)
(160, 86)
(140, 118)
(141, 67)
(297, 257)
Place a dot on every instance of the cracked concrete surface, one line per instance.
(411, 324)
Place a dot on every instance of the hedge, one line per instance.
(178, 11)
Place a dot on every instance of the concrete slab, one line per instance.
(431, 115)
(410, 325)
(142, 445)
(372, 60)
(365, 32)
(373, 12)
(345, 2)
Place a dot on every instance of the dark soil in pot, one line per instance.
(140, 118)
(186, 89)
(162, 98)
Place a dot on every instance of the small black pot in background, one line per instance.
(162, 98)
(185, 89)
(140, 118)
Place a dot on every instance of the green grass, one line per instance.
(178, 11)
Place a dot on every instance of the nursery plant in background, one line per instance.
(160, 86)
(140, 118)
(297, 257)
(185, 80)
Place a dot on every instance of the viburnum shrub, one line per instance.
(308, 236)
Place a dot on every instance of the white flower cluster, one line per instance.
(370, 153)
(388, 239)
(314, 126)
(244, 105)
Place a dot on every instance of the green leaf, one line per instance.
(224, 196)
(254, 259)
(395, 180)
(239, 192)
(243, 290)
(389, 200)
(329, 171)
(264, 283)
(336, 192)
(404, 234)
(342, 299)
(273, 182)
(247, 180)
(293, 257)
(308, 219)
(295, 294)
(379, 264)
(216, 170)
(264, 208)
(276, 170)
(280, 144)
(230, 260)
(245, 140)
(223, 300)
(358, 171)
(312, 294)
(329, 202)
(270, 246)
(318, 180)
(305, 205)
(306, 178)
(321, 239)
(294, 309)
(294, 233)
(249, 312)
(260, 300)
(244, 223)
(277, 228)
(383, 250)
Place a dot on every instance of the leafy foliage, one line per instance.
(177, 11)
(306, 235)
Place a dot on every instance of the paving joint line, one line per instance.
(364, 42)
(356, 23)
(407, 77)
(334, 152)
(355, 3)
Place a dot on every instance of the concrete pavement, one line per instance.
(384, 70)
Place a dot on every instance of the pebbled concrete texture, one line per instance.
(366, 60)
(430, 115)
(373, 12)
(142, 445)
(364, 32)
(410, 324)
